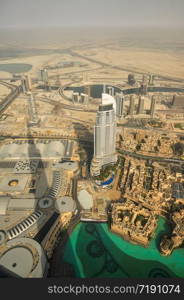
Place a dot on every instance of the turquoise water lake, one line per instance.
(94, 251)
(15, 68)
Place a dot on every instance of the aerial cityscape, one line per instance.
(92, 152)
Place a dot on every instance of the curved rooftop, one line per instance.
(65, 204)
(45, 202)
(24, 257)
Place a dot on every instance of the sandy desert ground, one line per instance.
(146, 50)
(4, 91)
(166, 63)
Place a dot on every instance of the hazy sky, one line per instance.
(45, 13)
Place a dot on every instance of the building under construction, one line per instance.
(131, 79)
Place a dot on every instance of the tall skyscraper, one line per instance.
(108, 99)
(132, 105)
(45, 79)
(111, 90)
(140, 108)
(84, 98)
(119, 105)
(44, 75)
(75, 97)
(151, 79)
(112, 93)
(144, 85)
(152, 107)
(26, 83)
(104, 136)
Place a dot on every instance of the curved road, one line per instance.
(73, 53)
(15, 91)
(66, 106)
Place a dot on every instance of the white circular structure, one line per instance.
(18, 260)
(65, 204)
(24, 257)
(45, 202)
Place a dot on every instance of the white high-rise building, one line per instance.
(26, 83)
(108, 99)
(84, 98)
(44, 75)
(75, 97)
(104, 135)
(152, 108)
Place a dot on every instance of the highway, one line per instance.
(90, 142)
(15, 91)
(147, 157)
(77, 72)
(83, 109)
(143, 127)
(66, 106)
(106, 65)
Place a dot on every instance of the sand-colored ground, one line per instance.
(4, 91)
(51, 60)
(159, 61)
(143, 60)
(36, 61)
